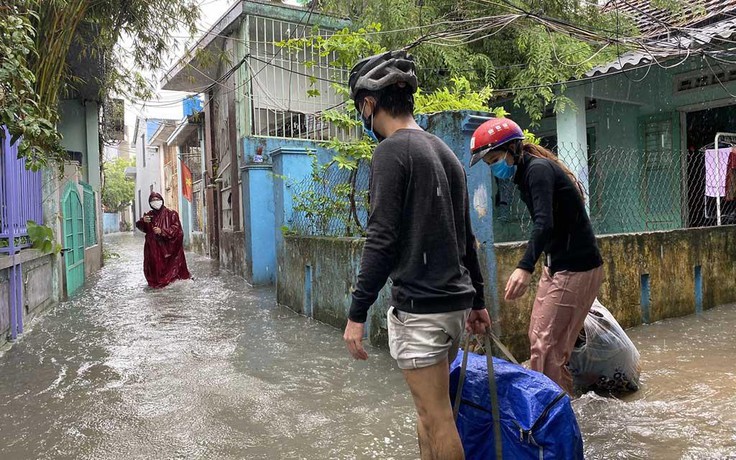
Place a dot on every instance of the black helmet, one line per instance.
(377, 72)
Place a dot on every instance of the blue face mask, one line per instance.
(503, 170)
(368, 128)
(369, 131)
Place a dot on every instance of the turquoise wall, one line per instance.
(631, 188)
(72, 126)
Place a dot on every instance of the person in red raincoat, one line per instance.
(163, 256)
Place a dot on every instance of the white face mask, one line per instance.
(157, 204)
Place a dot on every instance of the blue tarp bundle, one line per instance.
(537, 420)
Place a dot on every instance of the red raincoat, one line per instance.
(163, 256)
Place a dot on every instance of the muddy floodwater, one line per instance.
(212, 369)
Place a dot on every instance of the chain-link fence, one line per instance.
(626, 191)
(333, 201)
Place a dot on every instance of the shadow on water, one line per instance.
(214, 369)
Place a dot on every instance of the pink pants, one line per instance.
(562, 303)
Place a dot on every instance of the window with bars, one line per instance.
(90, 215)
(284, 89)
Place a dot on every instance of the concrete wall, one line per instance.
(149, 168)
(232, 252)
(668, 258)
(334, 264)
(199, 243)
(38, 287)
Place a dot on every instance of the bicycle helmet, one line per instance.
(377, 72)
(491, 135)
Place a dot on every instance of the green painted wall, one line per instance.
(79, 127)
(72, 125)
(637, 178)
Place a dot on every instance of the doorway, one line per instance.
(702, 127)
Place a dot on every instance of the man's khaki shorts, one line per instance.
(418, 341)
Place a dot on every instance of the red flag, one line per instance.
(186, 182)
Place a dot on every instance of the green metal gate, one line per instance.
(73, 239)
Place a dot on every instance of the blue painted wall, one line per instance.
(110, 222)
(184, 216)
(267, 194)
(455, 129)
(272, 166)
(267, 146)
(259, 221)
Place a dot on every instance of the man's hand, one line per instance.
(517, 284)
(478, 322)
(156, 230)
(354, 340)
(147, 219)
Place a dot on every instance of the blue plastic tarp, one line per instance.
(537, 419)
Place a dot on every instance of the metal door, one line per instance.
(73, 239)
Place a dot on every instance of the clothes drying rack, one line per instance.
(716, 145)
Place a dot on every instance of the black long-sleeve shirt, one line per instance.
(419, 230)
(561, 227)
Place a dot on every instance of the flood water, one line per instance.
(212, 369)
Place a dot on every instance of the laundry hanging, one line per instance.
(716, 171)
(731, 177)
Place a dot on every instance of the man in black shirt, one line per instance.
(419, 234)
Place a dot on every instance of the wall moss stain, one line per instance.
(668, 257)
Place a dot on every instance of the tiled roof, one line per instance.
(668, 35)
(653, 21)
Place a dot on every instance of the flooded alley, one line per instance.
(212, 369)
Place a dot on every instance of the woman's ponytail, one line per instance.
(540, 152)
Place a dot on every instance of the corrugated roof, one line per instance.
(678, 45)
(656, 22)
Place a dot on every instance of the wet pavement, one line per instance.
(212, 369)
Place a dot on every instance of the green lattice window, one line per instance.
(90, 215)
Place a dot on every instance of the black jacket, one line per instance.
(561, 227)
(419, 230)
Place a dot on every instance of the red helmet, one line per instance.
(491, 135)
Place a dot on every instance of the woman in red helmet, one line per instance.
(561, 230)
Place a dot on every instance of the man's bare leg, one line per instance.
(438, 437)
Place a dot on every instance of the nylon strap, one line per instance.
(495, 412)
(503, 348)
(492, 388)
(461, 380)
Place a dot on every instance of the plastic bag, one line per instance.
(604, 358)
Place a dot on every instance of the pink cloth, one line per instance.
(716, 171)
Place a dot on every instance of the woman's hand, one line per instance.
(517, 284)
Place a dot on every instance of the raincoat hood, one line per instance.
(156, 196)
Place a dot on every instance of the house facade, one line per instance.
(66, 200)
(638, 134)
(255, 105)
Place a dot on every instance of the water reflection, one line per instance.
(212, 369)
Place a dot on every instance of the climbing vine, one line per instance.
(327, 202)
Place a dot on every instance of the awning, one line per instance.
(182, 132)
